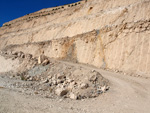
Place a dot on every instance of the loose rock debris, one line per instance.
(57, 78)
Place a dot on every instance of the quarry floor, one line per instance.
(127, 94)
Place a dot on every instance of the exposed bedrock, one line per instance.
(107, 34)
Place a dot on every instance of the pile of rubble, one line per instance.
(59, 78)
(27, 61)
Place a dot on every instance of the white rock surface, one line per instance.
(8, 65)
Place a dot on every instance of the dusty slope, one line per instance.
(127, 94)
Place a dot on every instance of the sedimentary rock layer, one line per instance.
(111, 34)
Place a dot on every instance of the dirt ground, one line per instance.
(127, 94)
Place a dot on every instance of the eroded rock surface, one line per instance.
(112, 35)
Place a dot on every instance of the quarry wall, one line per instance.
(109, 34)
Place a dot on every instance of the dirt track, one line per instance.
(127, 94)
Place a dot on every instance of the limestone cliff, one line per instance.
(110, 34)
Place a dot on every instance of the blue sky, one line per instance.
(12, 9)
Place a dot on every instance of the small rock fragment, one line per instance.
(104, 89)
(60, 81)
(45, 62)
(73, 96)
(19, 54)
(28, 56)
(84, 85)
(9, 52)
(41, 59)
(45, 81)
(14, 53)
(60, 76)
(22, 56)
(30, 79)
(71, 85)
(61, 91)
(93, 70)
(93, 78)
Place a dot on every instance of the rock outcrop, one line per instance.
(109, 34)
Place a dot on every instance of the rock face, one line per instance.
(105, 33)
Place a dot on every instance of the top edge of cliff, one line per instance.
(45, 10)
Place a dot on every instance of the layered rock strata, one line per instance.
(109, 34)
